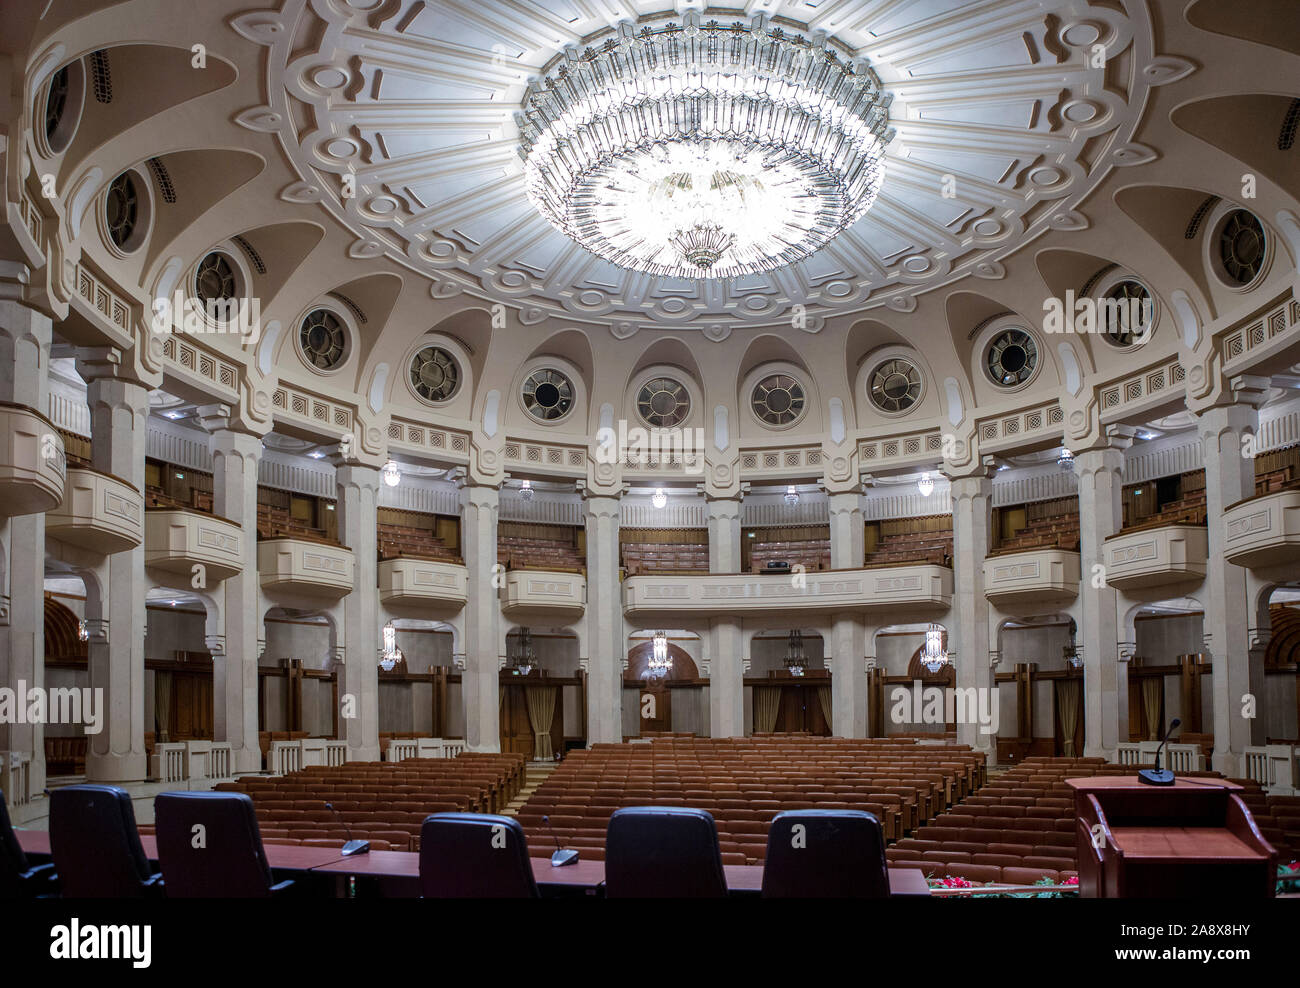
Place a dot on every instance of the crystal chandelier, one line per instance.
(925, 485)
(791, 496)
(795, 660)
(661, 663)
(524, 657)
(392, 475)
(82, 633)
(934, 656)
(390, 654)
(659, 498)
(704, 150)
(526, 490)
(1066, 460)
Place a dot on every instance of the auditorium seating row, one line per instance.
(516, 552)
(912, 548)
(811, 554)
(396, 541)
(1187, 510)
(65, 756)
(276, 523)
(745, 782)
(1052, 532)
(379, 801)
(665, 558)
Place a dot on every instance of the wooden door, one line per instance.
(191, 713)
(516, 731)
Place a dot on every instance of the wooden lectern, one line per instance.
(1194, 838)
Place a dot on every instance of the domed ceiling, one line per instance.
(400, 119)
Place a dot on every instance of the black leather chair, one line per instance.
(19, 878)
(231, 864)
(474, 856)
(839, 854)
(96, 845)
(654, 852)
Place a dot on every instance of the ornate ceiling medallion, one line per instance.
(704, 150)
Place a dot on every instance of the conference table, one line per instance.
(397, 873)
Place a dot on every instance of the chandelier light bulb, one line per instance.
(715, 150)
(659, 499)
(925, 485)
(392, 475)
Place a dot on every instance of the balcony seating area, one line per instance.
(1273, 481)
(397, 541)
(156, 497)
(382, 802)
(518, 552)
(911, 548)
(276, 523)
(1054, 532)
(667, 559)
(811, 554)
(1189, 509)
(745, 782)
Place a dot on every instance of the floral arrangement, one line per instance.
(953, 882)
(1288, 878)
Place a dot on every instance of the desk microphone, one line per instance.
(352, 846)
(561, 857)
(1160, 776)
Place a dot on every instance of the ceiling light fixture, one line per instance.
(659, 498)
(925, 485)
(704, 150)
(389, 654)
(796, 660)
(661, 663)
(526, 490)
(791, 496)
(1066, 460)
(392, 475)
(934, 656)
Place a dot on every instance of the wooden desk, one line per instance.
(281, 857)
(902, 881)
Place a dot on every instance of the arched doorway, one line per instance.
(655, 700)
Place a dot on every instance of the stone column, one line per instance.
(119, 418)
(480, 681)
(972, 507)
(235, 458)
(607, 642)
(1230, 477)
(848, 635)
(1105, 678)
(358, 511)
(726, 641)
(25, 362)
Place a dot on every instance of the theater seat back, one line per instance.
(825, 854)
(475, 856)
(95, 843)
(231, 864)
(657, 852)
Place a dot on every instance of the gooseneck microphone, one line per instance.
(1158, 776)
(562, 856)
(352, 846)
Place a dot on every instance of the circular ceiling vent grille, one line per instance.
(778, 399)
(895, 385)
(1011, 358)
(1129, 322)
(663, 402)
(323, 339)
(1242, 246)
(547, 395)
(434, 374)
(122, 211)
(215, 279)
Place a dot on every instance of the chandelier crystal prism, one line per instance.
(704, 150)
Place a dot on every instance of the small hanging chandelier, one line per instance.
(661, 663)
(82, 634)
(1066, 460)
(390, 654)
(526, 490)
(925, 485)
(791, 496)
(659, 499)
(392, 475)
(796, 662)
(934, 656)
(524, 657)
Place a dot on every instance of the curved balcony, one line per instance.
(99, 512)
(1152, 557)
(411, 581)
(31, 461)
(882, 589)
(1264, 530)
(539, 593)
(176, 540)
(304, 566)
(1036, 576)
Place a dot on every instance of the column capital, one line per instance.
(1115, 437)
(712, 495)
(979, 471)
(1249, 389)
(351, 474)
(590, 494)
(114, 364)
(222, 418)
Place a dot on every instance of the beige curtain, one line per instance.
(824, 695)
(1068, 695)
(541, 709)
(1153, 690)
(767, 705)
(162, 703)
